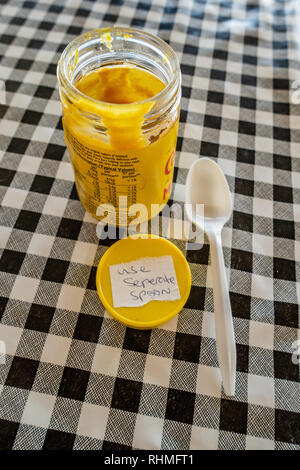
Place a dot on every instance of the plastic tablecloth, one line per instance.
(71, 377)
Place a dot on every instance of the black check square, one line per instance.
(27, 220)
(187, 347)
(284, 229)
(242, 357)
(251, 40)
(282, 162)
(241, 260)
(138, 22)
(286, 314)
(12, 85)
(180, 406)
(249, 80)
(186, 92)
(199, 256)
(245, 187)
(249, 103)
(240, 305)
(282, 194)
(3, 303)
(73, 384)
(189, 49)
(196, 298)
(6, 39)
(39, 317)
(137, 340)
(35, 44)
(42, 184)
(284, 368)
(209, 149)
(215, 97)
(126, 395)
(22, 373)
(284, 269)
(187, 69)
(3, 110)
(29, 4)
(76, 30)
(24, 64)
(249, 59)
(18, 145)
(245, 156)
(60, 127)
(281, 84)
(108, 445)
(47, 25)
(216, 74)
(11, 261)
(92, 279)
(55, 270)
(8, 432)
(214, 122)
(88, 328)
(51, 69)
(6, 176)
(82, 12)
(74, 194)
(31, 117)
(247, 127)
(220, 54)
(282, 133)
(242, 221)
(287, 426)
(56, 8)
(69, 228)
(233, 416)
(58, 440)
(44, 92)
(54, 152)
(281, 108)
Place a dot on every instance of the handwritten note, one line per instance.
(140, 281)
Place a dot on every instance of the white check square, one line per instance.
(148, 432)
(106, 360)
(70, 298)
(261, 335)
(93, 421)
(14, 198)
(40, 244)
(261, 390)
(157, 370)
(38, 409)
(56, 349)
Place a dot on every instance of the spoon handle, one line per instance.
(225, 341)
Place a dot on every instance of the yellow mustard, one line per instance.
(115, 149)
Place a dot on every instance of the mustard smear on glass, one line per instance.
(134, 162)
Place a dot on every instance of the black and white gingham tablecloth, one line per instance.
(73, 377)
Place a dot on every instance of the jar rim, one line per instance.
(70, 49)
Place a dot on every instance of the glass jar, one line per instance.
(122, 154)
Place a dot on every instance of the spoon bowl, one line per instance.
(207, 185)
(207, 189)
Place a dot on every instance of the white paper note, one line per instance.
(138, 282)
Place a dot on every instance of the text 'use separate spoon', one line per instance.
(206, 184)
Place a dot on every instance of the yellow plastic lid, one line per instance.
(154, 313)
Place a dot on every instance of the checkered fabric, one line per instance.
(73, 377)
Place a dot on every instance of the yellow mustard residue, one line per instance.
(120, 85)
(114, 151)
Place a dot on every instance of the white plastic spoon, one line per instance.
(207, 185)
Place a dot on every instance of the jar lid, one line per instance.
(153, 313)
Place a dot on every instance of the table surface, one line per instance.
(75, 378)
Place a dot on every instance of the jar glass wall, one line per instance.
(122, 152)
